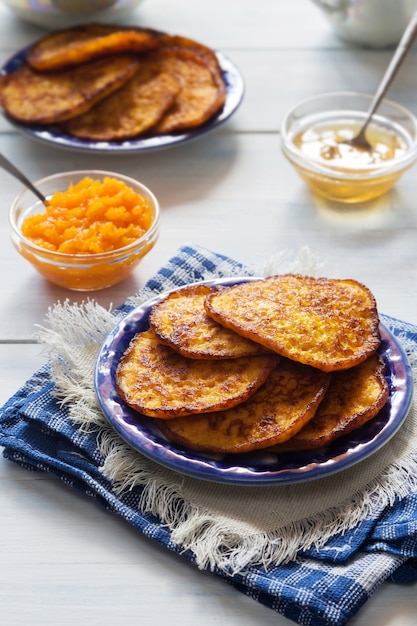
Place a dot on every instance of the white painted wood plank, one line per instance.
(234, 23)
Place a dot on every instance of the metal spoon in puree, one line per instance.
(400, 53)
(9, 167)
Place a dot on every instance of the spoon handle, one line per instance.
(9, 167)
(400, 53)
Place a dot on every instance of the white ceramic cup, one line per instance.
(374, 23)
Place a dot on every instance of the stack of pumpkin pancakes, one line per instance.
(289, 362)
(101, 82)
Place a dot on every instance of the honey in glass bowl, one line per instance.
(313, 141)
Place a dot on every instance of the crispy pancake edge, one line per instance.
(145, 350)
(69, 47)
(175, 337)
(361, 353)
(14, 93)
(315, 435)
(176, 430)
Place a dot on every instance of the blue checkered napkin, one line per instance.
(320, 588)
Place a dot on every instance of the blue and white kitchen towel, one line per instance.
(314, 551)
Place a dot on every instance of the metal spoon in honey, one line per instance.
(360, 141)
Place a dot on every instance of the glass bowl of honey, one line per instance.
(315, 137)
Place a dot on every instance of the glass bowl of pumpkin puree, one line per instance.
(92, 231)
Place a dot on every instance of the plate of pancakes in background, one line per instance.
(255, 381)
(105, 88)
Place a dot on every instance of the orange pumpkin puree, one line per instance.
(90, 217)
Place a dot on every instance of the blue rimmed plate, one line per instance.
(260, 467)
(53, 135)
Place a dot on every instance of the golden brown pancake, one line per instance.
(280, 408)
(181, 321)
(353, 398)
(79, 44)
(34, 98)
(157, 381)
(202, 93)
(327, 323)
(184, 43)
(131, 110)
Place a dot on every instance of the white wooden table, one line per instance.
(64, 560)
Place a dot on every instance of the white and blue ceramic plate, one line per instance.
(54, 136)
(254, 468)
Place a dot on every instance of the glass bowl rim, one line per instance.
(373, 170)
(88, 259)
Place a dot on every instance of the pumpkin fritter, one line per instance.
(327, 323)
(78, 44)
(275, 413)
(353, 398)
(34, 98)
(70, 72)
(134, 108)
(180, 321)
(202, 93)
(184, 43)
(157, 381)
